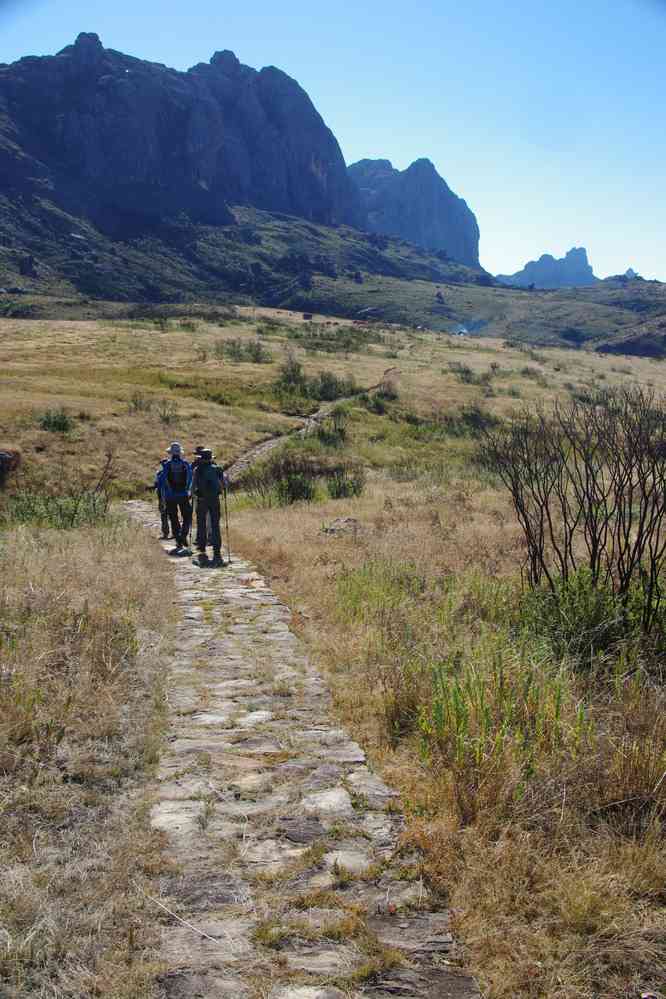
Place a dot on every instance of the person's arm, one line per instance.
(189, 478)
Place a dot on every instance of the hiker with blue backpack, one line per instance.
(174, 483)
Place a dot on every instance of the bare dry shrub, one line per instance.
(588, 484)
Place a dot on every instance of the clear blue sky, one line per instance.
(547, 118)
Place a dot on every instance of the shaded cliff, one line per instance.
(571, 271)
(125, 143)
(418, 205)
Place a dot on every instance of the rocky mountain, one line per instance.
(126, 143)
(570, 271)
(418, 205)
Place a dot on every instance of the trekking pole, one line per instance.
(226, 518)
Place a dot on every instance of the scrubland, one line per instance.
(532, 775)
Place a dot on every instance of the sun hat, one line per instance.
(174, 448)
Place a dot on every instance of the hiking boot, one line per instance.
(175, 551)
(218, 561)
(201, 559)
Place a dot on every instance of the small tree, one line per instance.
(588, 484)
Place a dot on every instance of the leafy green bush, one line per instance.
(373, 403)
(59, 512)
(325, 386)
(332, 432)
(295, 486)
(346, 482)
(583, 619)
(282, 479)
(56, 420)
(252, 351)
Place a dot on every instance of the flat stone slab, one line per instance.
(323, 960)
(254, 718)
(305, 992)
(354, 861)
(334, 803)
(211, 983)
(374, 790)
(218, 941)
(175, 816)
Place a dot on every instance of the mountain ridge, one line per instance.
(571, 271)
(418, 205)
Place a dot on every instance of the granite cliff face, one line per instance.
(126, 143)
(571, 271)
(417, 205)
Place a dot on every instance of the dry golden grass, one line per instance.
(81, 701)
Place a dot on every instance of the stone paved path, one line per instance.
(285, 844)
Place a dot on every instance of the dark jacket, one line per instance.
(163, 481)
(208, 480)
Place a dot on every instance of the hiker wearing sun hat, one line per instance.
(207, 484)
(175, 481)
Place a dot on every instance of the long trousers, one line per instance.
(180, 517)
(164, 516)
(208, 520)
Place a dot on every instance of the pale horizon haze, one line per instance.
(547, 120)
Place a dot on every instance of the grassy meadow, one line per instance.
(532, 776)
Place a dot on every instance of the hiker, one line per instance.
(161, 502)
(203, 535)
(207, 483)
(175, 482)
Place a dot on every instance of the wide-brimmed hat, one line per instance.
(207, 454)
(199, 449)
(175, 448)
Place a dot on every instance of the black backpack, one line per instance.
(177, 476)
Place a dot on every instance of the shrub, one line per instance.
(373, 403)
(139, 403)
(58, 512)
(580, 618)
(56, 420)
(332, 432)
(325, 386)
(463, 372)
(295, 486)
(587, 481)
(346, 482)
(167, 411)
(283, 479)
(253, 351)
(257, 353)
